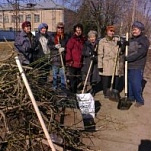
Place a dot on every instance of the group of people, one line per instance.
(74, 54)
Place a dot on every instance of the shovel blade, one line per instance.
(113, 95)
(124, 104)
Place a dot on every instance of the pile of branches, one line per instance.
(20, 129)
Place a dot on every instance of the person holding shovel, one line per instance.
(90, 54)
(59, 39)
(107, 52)
(137, 54)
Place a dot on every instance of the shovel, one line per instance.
(113, 93)
(63, 66)
(125, 103)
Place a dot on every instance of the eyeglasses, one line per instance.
(60, 27)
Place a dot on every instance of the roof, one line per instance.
(39, 5)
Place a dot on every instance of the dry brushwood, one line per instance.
(20, 129)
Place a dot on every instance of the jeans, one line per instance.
(135, 77)
(58, 73)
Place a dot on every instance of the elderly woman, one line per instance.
(90, 53)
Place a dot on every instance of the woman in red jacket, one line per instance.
(74, 56)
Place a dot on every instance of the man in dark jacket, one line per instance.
(74, 56)
(137, 54)
(24, 44)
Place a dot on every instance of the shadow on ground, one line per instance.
(145, 145)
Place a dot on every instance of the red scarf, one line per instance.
(58, 38)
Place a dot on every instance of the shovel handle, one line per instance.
(86, 79)
(126, 67)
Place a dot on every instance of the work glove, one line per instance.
(125, 58)
(119, 43)
(94, 59)
(126, 43)
(100, 70)
(93, 53)
(61, 49)
(57, 46)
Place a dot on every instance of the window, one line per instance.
(36, 18)
(6, 19)
(13, 19)
(28, 18)
(20, 17)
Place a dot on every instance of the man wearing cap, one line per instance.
(107, 51)
(137, 54)
(24, 44)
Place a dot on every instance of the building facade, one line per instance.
(12, 16)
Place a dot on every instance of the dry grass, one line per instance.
(6, 50)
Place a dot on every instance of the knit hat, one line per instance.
(42, 25)
(110, 28)
(26, 24)
(139, 25)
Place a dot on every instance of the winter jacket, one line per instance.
(55, 56)
(88, 51)
(137, 52)
(107, 51)
(25, 46)
(40, 50)
(74, 51)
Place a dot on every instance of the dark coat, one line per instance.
(55, 56)
(39, 52)
(137, 52)
(74, 51)
(88, 51)
(25, 46)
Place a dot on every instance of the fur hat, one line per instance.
(110, 28)
(42, 25)
(138, 25)
(60, 24)
(26, 24)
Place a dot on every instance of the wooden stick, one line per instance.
(34, 104)
(126, 67)
(86, 79)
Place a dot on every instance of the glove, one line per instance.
(119, 43)
(61, 50)
(94, 59)
(100, 70)
(126, 43)
(57, 46)
(94, 53)
(125, 58)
